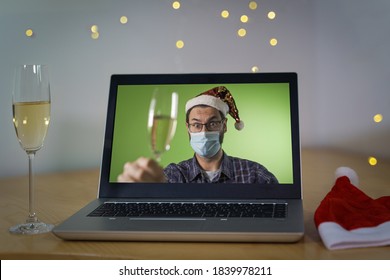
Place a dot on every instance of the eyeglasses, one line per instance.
(210, 126)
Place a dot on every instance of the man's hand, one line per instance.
(142, 170)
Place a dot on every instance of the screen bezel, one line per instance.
(109, 189)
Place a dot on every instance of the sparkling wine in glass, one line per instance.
(162, 120)
(31, 118)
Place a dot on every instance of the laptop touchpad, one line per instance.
(150, 224)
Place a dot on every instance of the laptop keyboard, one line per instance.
(191, 210)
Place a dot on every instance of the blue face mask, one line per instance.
(205, 144)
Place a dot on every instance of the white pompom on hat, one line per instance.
(219, 98)
(349, 172)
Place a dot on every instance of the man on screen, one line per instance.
(206, 124)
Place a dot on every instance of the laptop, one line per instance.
(240, 212)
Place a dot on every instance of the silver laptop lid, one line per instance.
(267, 103)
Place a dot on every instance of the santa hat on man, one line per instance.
(348, 218)
(219, 98)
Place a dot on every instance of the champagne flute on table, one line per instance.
(162, 120)
(31, 118)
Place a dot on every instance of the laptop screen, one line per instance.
(267, 105)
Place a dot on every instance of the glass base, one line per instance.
(31, 228)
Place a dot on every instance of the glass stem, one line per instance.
(32, 218)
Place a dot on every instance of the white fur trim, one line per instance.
(335, 236)
(349, 172)
(209, 101)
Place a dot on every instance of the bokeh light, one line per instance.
(252, 5)
(225, 14)
(95, 32)
(176, 5)
(273, 42)
(179, 44)
(241, 32)
(123, 19)
(271, 15)
(372, 161)
(29, 32)
(255, 69)
(94, 28)
(244, 18)
(95, 35)
(378, 118)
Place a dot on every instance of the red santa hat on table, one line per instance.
(219, 98)
(348, 218)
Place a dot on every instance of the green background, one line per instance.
(264, 108)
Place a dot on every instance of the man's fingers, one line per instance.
(142, 170)
(154, 171)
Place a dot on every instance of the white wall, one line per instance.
(353, 74)
(338, 49)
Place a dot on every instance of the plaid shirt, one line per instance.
(233, 170)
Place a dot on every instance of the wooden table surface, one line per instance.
(59, 195)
